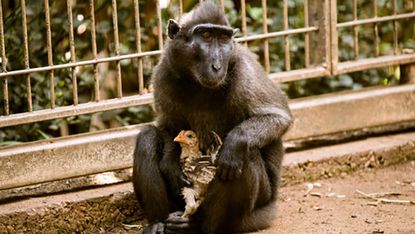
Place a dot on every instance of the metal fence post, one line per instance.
(407, 74)
(319, 16)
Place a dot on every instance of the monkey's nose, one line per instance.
(216, 67)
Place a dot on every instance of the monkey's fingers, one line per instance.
(155, 228)
(185, 182)
(175, 223)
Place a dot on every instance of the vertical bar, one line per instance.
(355, 32)
(180, 7)
(4, 63)
(50, 58)
(323, 43)
(73, 55)
(375, 27)
(306, 35)
(138, 45)
(94, 50)
(222, 5)
(332, 50)
(265, 30)
(159, 25)
(26, 55)
(394, 32)
(407, 74)
(286, 41)
(117, 46)
(243, 12)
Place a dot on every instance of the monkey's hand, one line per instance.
(231, 159)
(174, 176)
(155, 228)
(177, 224)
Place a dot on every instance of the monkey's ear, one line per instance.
(235, 31)
(173, 28)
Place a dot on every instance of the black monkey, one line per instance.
(207, 82)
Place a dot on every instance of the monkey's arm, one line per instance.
(170, 161)
(268, 124)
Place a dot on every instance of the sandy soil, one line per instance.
(334, 206)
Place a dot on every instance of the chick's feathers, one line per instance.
(198, 168)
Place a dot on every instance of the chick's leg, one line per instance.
(189, 195)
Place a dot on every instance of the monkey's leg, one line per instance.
(149, 185)
(243, 203)
(265, 210)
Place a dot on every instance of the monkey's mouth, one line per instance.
(212, 82)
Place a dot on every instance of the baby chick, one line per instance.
(198, 168)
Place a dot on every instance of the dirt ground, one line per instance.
(335, 206)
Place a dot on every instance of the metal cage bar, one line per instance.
(222, 5)
(180, 7)
(395, 28)
(355, 32)
(265, 30)
(286, 39)
(26, 56)
(4, 64)
(94, 51)
(81, 63)
(117, 48)
(376, 20)
(138, 46)
(243, 15)
(306, 36)
(375, 28)
(275, 34)
(73, 54)
(159, 26)
(50, 54)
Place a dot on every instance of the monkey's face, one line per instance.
(203, 50)
(212, 46)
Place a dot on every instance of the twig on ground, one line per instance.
(310, 187)
(375, 196)
(132, 226)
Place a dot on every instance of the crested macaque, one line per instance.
(206, 82)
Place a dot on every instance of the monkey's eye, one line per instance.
(224, 38)
(206, 36)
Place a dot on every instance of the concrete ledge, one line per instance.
(335, 160)
(101, 209)
(80, 155)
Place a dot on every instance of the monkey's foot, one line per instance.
(155, 228)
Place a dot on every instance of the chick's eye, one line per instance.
(189, 136)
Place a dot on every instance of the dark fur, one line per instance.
(246, 109)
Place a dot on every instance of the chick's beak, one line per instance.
(180, 139)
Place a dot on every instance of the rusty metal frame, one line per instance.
(321, 59)
(368, 63)
(31, 163)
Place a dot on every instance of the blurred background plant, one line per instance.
(148, 16)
